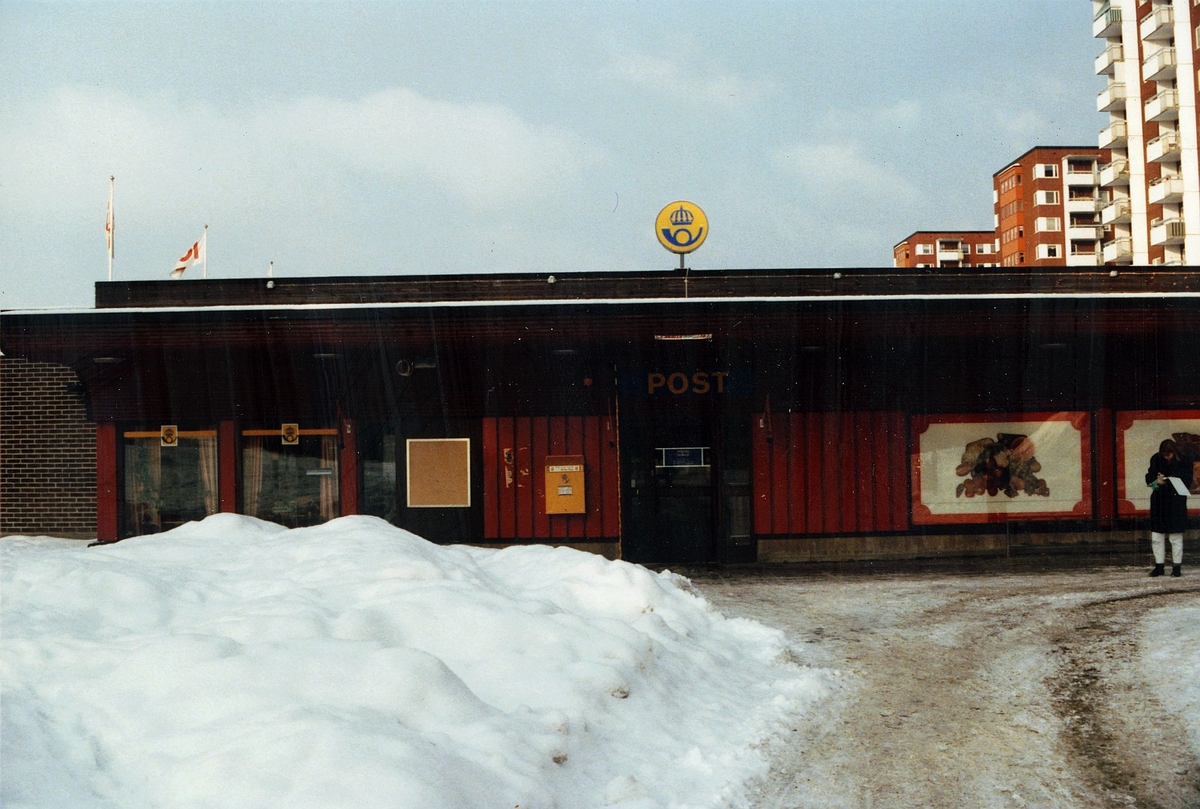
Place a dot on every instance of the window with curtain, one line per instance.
(166, 486)
(293, 485)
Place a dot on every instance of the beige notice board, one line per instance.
(439, 472)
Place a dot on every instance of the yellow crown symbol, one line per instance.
(682, 217)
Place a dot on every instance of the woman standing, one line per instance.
(1168, 508)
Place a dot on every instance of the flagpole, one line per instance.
(112, 222)
(206, 252)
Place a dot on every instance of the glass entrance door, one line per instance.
(683, 491)
(670, 509)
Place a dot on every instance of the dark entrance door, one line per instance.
(670, 497)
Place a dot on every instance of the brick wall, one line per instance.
(47, 452)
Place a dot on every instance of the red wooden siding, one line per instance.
(824, 473)
(107, 486)
(227, 455)
(1106, 466)
(348, 466)
(514, 483)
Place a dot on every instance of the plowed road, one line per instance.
(1002, 685)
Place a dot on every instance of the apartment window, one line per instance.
(1044, 170)
(1044, 224)
(1045, 198)
(924, 249)
(983, 249)
(1049, 251)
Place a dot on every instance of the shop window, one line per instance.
(170, 478)
(377, 459)
(290, 477)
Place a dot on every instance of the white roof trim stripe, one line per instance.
(479, 304)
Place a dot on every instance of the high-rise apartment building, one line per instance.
(1151, 60)
(946, 248)
(1047, 205)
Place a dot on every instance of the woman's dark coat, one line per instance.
(1168, 508)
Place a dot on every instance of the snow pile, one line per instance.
(235, 663)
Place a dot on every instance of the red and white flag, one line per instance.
(108, 226)
(194, 255)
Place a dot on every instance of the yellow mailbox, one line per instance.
(564, 484)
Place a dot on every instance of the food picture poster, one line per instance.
(1139, 434)
(973, 468)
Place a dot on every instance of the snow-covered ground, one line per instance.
(1059, 683)
(234, 663)
(1170, 640)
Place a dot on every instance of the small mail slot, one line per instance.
(564, 485)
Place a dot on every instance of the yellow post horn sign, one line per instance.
(681, 227)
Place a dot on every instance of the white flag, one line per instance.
(194, 255)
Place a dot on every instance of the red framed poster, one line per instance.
(1139, 432)
(979, 468)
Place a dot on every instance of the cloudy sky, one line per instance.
(439, 137)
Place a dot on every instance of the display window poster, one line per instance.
(1139, 433)
(979, 468)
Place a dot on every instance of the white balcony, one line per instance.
(1166, 231)
(1111, 98)
(1115, 135)
(1081, 204)
(1166, 190)
(1119, 251)
(1115, 173)
(1106, 62)
(1083, 233)
(1107, 23)
(1081, 174)
(1163, 107)
(1119, 211)
(1157, 25)
(1164, 149)
(1083, 259)
(951, 254)
(1160, 65)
